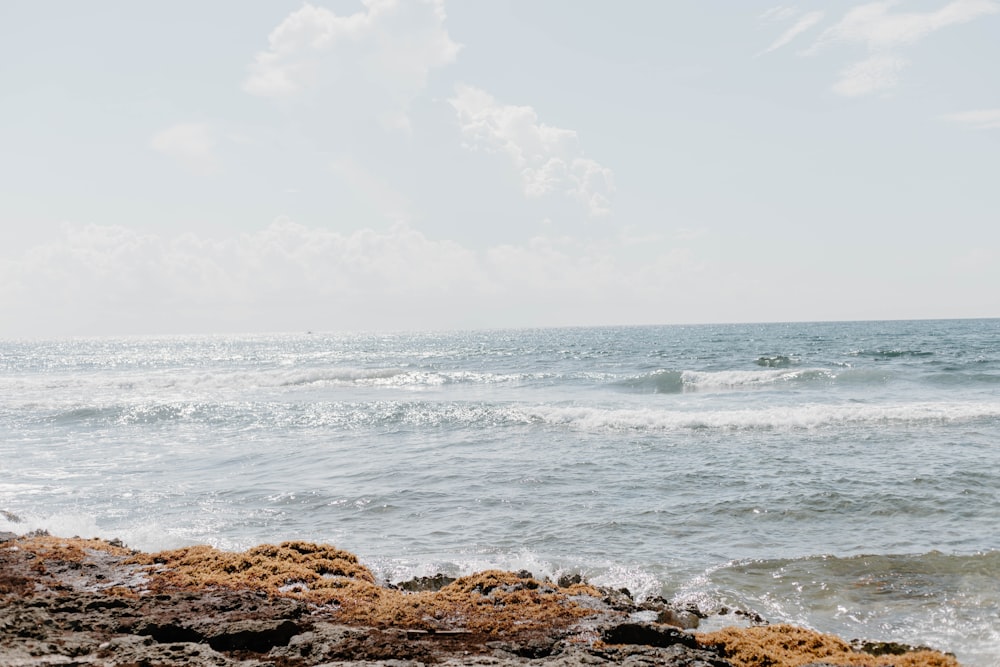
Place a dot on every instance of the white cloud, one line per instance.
(878, 72)
(799, 27)
(883, 32)
(779, 13)
(875, 26)
(981, 119)
(384, 52)
(109, 279)
(191, 144)
(548, 159)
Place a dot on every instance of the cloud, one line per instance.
(874, 26)
(383, 53)
(97, 279)
(981, 119)
(191, 144)
(548, 159)
(883, 32)
(799, 27)
(779, 13)
(867, 76)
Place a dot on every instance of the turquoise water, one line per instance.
(845, 476)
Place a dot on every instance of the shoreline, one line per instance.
(72, 601)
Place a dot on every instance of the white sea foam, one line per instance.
(718, 380)
(65, 524)
(801, 416)
(640, 583)
(396, 569)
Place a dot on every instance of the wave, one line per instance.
(739, 379)
(338, 375)
(667, 381)
(142, 414)
(353, 415)
(674, 382)
(808, 416)
(63, 393)
(890, 353)
(398, 377)
(657, 382)
(392, 377)
(213, 385)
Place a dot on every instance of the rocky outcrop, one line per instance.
(88, 602)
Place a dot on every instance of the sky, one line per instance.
(342, 165)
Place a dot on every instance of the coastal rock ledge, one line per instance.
(92, 602)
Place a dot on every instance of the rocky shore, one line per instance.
(91, 602)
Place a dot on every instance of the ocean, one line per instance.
(842, 476)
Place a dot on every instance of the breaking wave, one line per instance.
(472, 414)
(675, 382)
(808, 416)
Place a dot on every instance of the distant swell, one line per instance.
(891, 354)
(338, 375)
(401, 378)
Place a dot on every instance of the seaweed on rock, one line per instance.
(491, 602)
(286, 596)
(791, 646)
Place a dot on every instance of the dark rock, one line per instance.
(620, 600)
(752, 616)
(532, 648)
(687, 618)
(647, 635)
(679, 618)
(169, 633)
(106, 603)
(374, 645)
(418, 584)
(884, 648)
(672, 656)
(567, 580)
(255, 636)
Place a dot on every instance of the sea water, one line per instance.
(843, 476)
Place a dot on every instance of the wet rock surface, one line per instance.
(88, 602)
